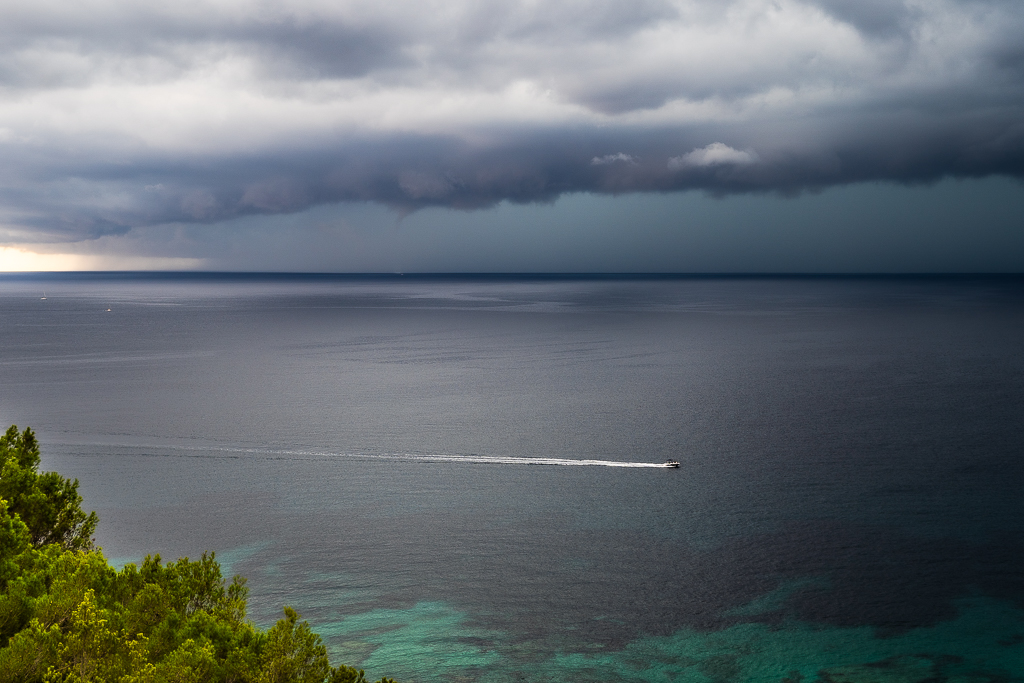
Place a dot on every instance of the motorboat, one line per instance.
(672, 463)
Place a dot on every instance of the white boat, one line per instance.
(672, 463)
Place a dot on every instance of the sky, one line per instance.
(513, 135)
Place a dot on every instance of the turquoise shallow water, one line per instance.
(973, 646)
(433, 642)
(848, 506)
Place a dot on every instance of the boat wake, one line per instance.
(213, 451)
(508, 460)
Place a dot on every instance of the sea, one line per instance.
(461, 478)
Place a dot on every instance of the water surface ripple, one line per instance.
(848, 505)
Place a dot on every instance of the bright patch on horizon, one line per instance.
(14, 260)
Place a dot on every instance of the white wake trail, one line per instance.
(237, 451)
(509, 460)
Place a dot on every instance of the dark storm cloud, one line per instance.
(114, 116)
(56, 50)
(877, 18)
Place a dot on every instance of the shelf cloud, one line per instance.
(116, 115)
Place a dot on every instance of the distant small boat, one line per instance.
(672, 463)
(43, 297)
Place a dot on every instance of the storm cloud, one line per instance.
(116, 115)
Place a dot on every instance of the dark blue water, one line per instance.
(848, 506)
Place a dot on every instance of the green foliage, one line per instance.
(67, 616)
(293, 653)
(348, 674)
(47, 503)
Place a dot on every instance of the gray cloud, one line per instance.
(874, 18)
(715, 154)
(620, 158)
(114, 116)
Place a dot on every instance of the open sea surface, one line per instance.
(458, 479)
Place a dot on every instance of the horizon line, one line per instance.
(519, 275)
